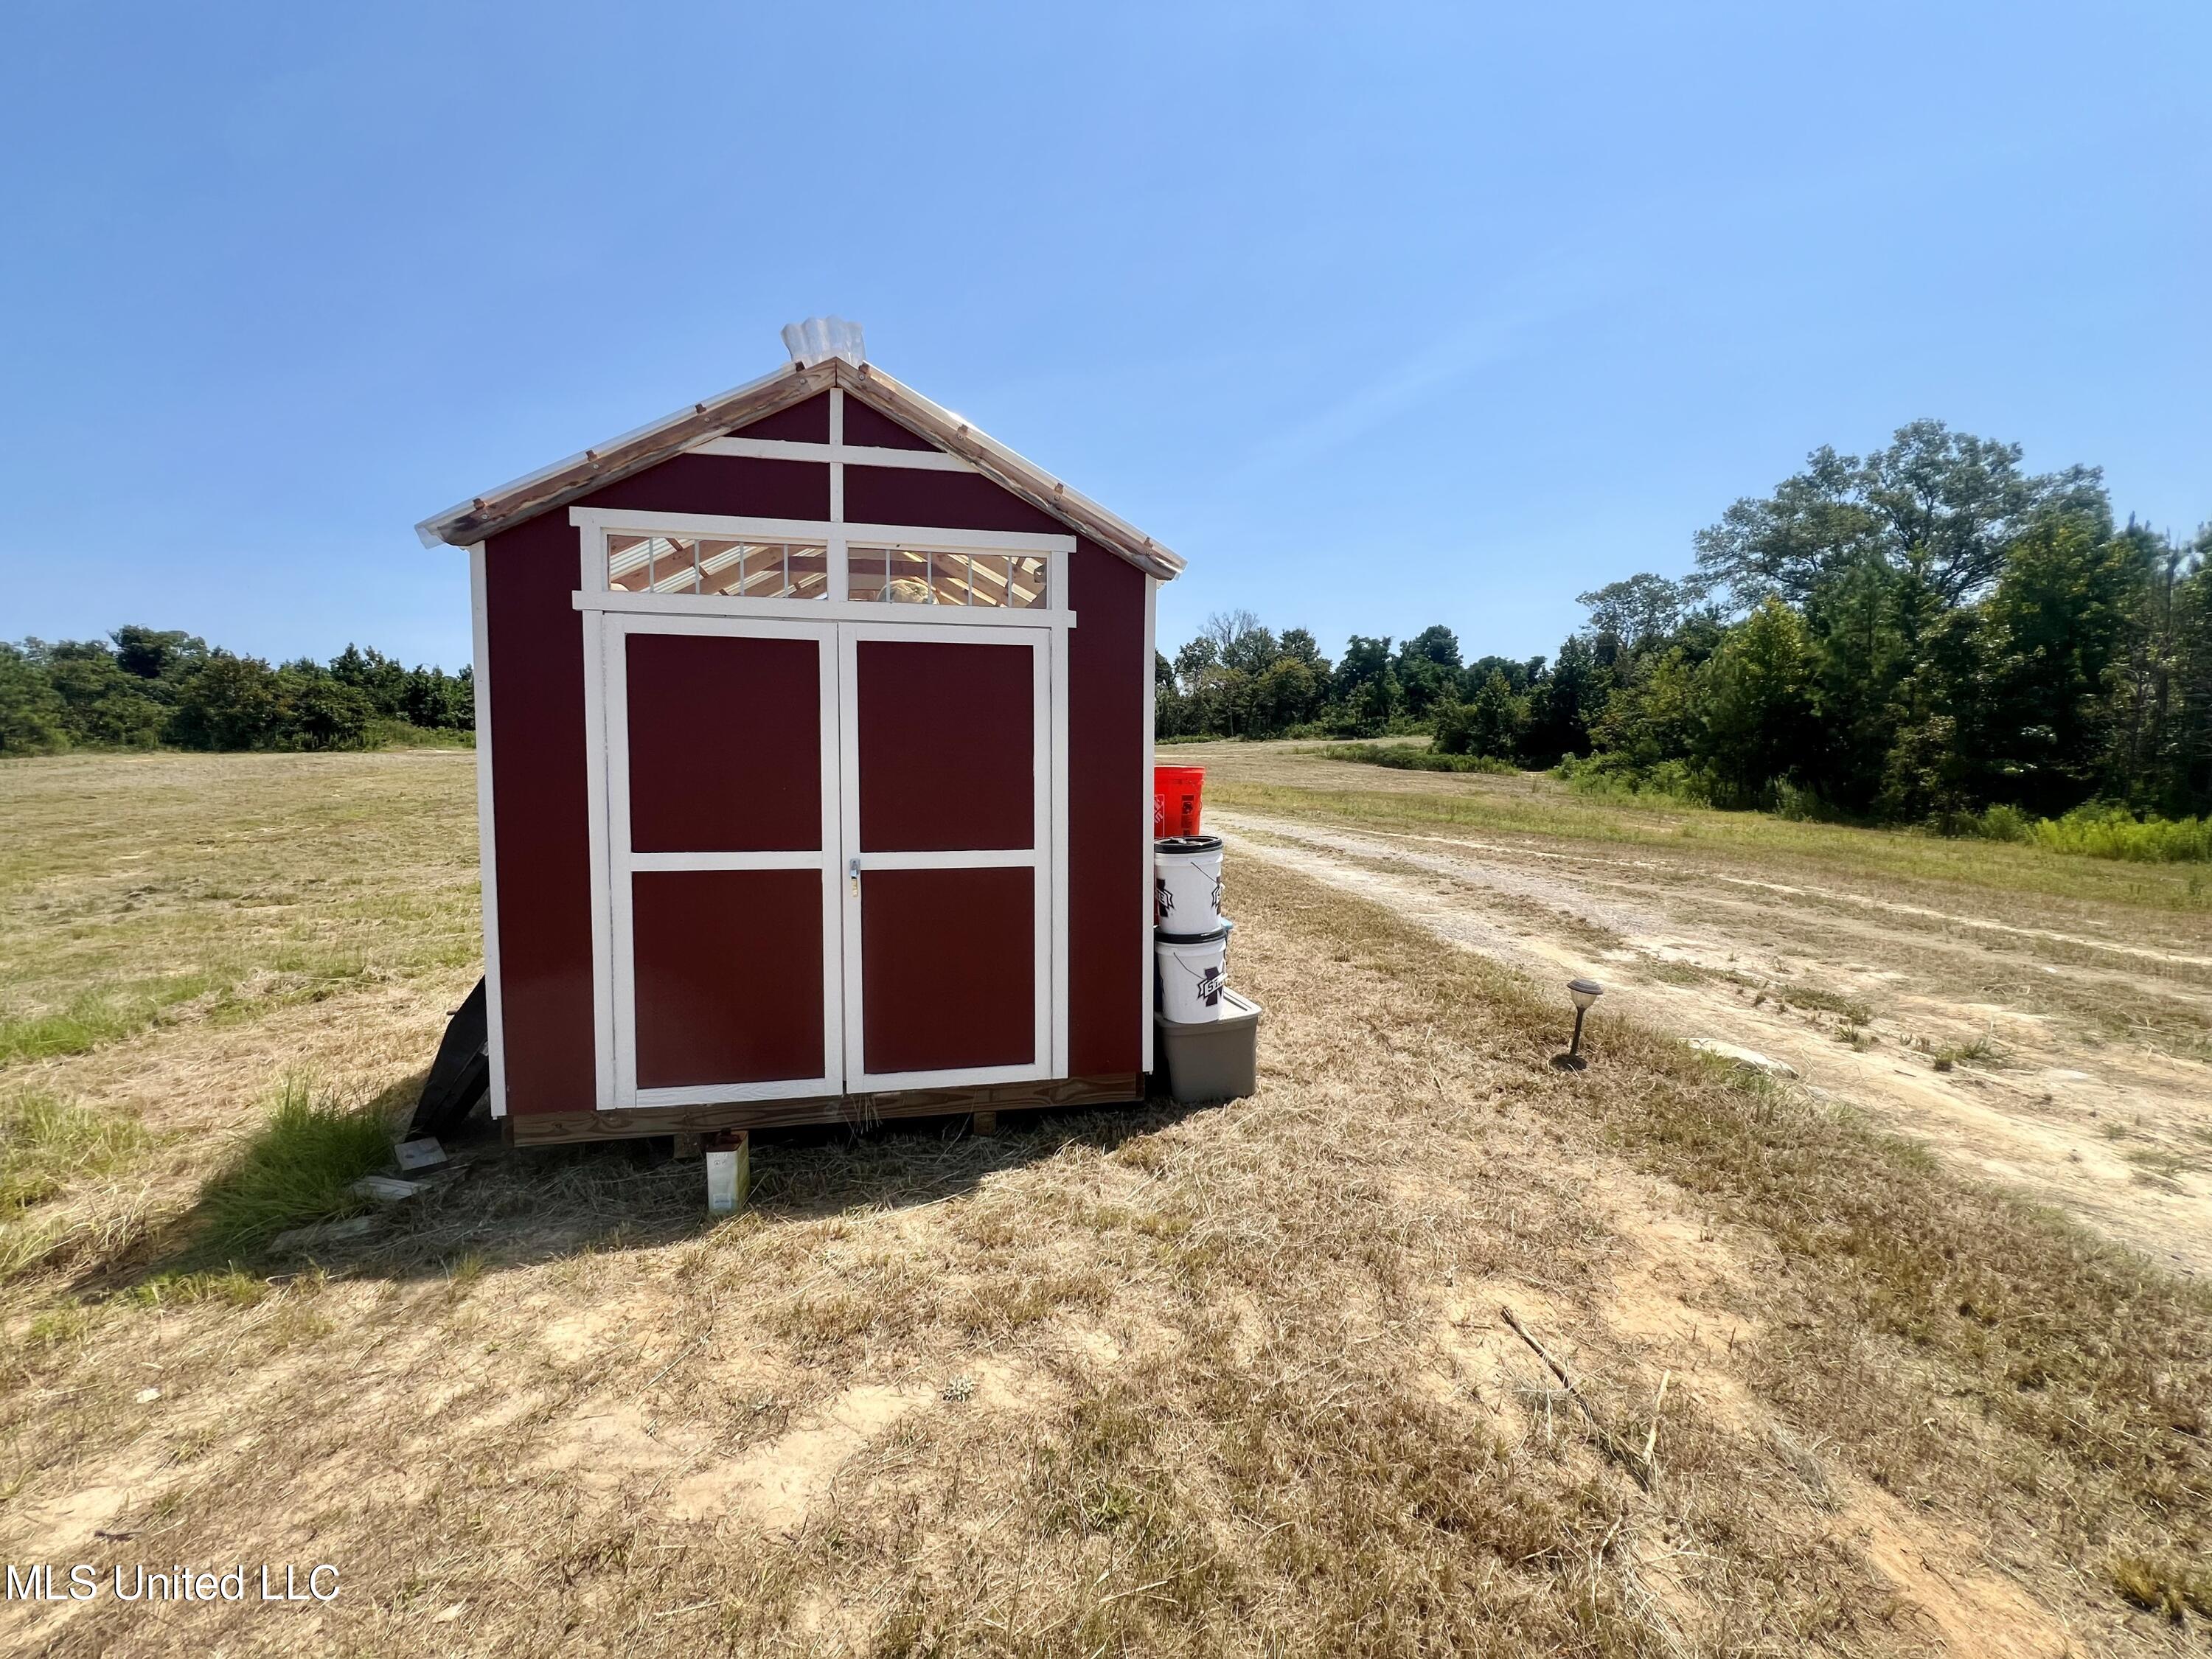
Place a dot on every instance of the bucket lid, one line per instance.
(1188, 844)
(1206, 938)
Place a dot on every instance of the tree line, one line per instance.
(1922, 633)
(141, 687)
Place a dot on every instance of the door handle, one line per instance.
(853, 871)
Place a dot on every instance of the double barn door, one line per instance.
(828, 858)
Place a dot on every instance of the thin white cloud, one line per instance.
(1438, 363)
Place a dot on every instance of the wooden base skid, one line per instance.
(528, 1129)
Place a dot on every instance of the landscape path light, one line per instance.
(1585, 993)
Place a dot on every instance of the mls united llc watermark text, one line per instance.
(82, 1582)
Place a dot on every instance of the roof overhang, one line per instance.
(484, 516)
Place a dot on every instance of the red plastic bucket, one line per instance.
(1176, 798)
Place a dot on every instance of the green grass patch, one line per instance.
(96, 1016)
(1407, 757)
(2099, 830)
(401, 734)
(1838, 850)
(231, 1285)
(296, 1170)
(46, 1143)
(139, 890)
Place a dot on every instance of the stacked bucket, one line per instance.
(1208, 1034)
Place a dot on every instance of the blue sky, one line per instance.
(1380, 315)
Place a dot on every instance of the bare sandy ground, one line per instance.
(1880, 1002)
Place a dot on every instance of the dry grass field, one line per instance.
(1236, 1379)
(2039, 1019)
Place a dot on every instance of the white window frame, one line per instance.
(594, 524)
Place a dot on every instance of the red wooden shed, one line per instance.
(814, 748)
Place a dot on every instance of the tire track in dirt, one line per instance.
(2047, 1130)
(1797, 890)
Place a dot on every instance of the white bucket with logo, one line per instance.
(1186, 883)
(1194, 973)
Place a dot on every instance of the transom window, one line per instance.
(703, 564)
(748, 566)
(641, 563)
(902, 575)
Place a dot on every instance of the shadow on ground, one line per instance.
(494, 1206)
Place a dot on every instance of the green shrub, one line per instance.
(142, 688)
(33, 719)
(2006, 823)
(2113, 832)
(2097, 830)
(1614, 777)
(299, 1168)
(1404, 757)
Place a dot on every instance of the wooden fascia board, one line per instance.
(565, 481)
(1009, 470)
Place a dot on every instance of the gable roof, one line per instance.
(556, 486)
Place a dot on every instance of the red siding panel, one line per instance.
(729, 975)
(802, 423)
(733, 485)
(725, 743)
(1109, 812)
(951, 500)
(872, 429)
(948, 968)
(946, 745)
(536, 675)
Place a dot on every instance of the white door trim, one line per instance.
(1053, 718)
(606, 634)
(487, 837)
(1047, 857)
(1145, 968)
(614, 863)
(599, 738)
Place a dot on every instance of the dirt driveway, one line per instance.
(2055, 1059)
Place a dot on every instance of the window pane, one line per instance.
(719, 564)
(948, 578)
(656, 564)
(764, 571)
(727, 570)
(989, 572)
(909, 578)
(904, 575)
(629, 563)
(810, 572)
(675, 565)
(864, 572)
